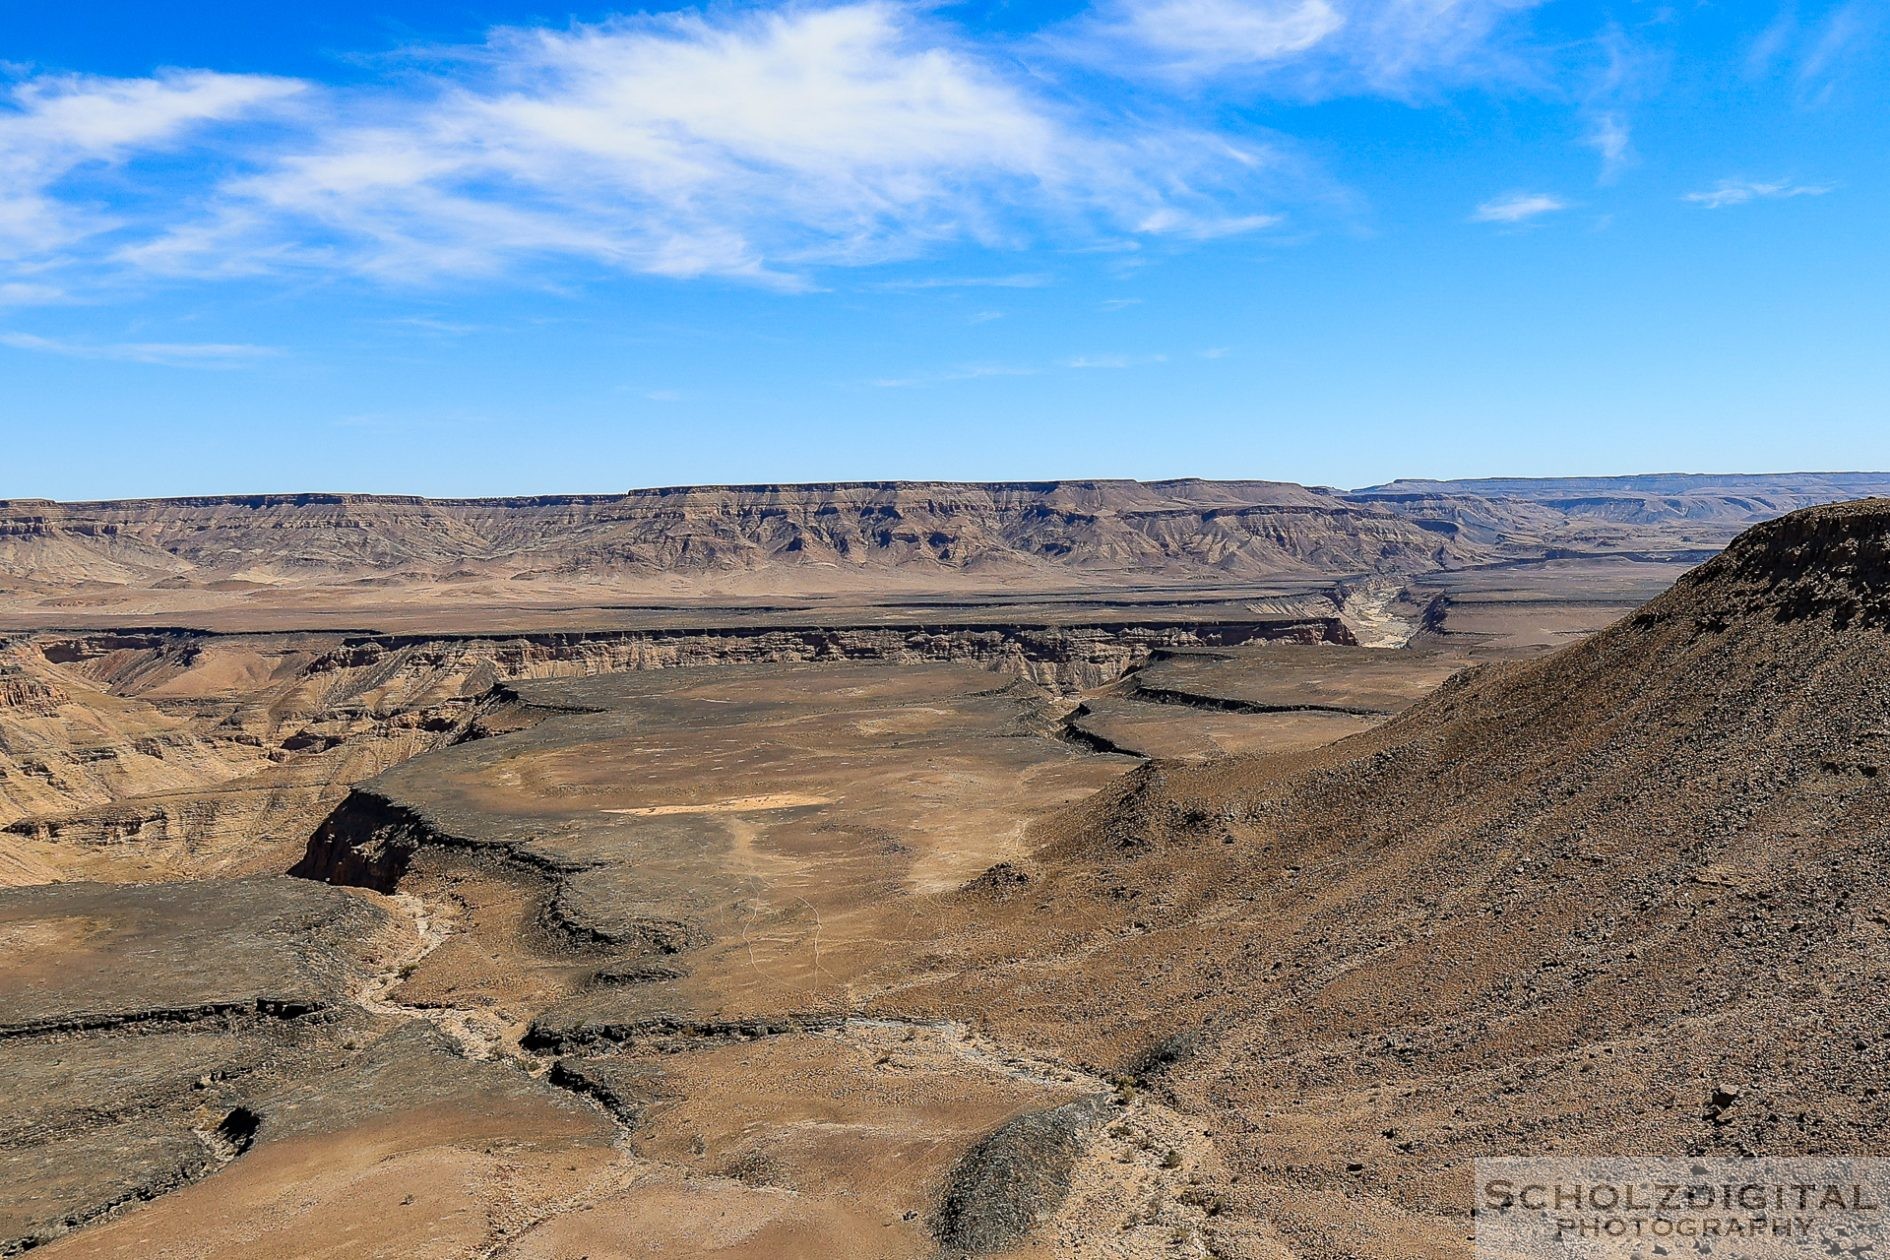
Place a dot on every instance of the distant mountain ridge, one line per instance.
(1177, 488)
(940, 530)
(1835, 485)
(741, 541)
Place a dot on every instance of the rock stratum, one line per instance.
(942, 529)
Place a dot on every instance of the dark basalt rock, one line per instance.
(1015, 1177)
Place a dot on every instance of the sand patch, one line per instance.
(734, 805)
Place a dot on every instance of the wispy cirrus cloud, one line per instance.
(1206, 227)
(1015, 280)
(746, 144)
(1838, 38)
(1610, 135)
(1737, 192)
(1517, 207)
(170, 354)
(1197, 38)
(988, 370)
(1622, 72)
(758, 144)
(951, 375)
(1816, 51)
(55, 130)
(26, 293)
(1299, 47)
(1112, 362)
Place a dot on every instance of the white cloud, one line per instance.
(174, 354)
(71, 117)
(1737, 192)
(1773, 43)
(758, 143)
(1517, 208)
(752, 145)
(435, 327)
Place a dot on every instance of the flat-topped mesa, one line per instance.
(262, 558)
(794, 537)
(1094, 490)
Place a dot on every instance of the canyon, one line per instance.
(1074, 868)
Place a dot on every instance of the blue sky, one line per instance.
(493, 248)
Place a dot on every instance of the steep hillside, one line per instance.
(1629, 897)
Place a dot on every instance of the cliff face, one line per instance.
(939, 532)
(188, 751)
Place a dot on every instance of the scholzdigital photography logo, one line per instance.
(1732, 1209)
